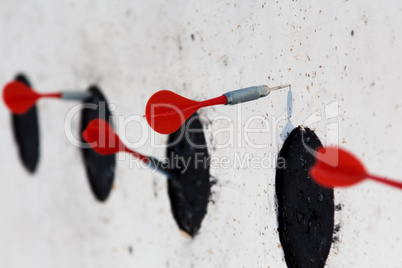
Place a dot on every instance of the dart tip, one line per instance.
(279, 87)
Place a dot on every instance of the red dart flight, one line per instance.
(335, 167)
(102, 138)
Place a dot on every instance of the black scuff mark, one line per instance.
(100, 169)
(190, 191)
(26, 133)
(305, 210)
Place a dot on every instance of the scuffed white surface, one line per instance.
(134, 48)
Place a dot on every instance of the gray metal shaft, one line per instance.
(74, 95)
(159, 166)
(249, 94)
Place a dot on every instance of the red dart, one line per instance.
(19, 98)
(166, 111)
(102, 138)
(336, 167)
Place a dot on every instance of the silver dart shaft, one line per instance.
(74, 95)
(157, 165)
(250, 93)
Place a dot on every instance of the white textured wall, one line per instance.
(134, 48)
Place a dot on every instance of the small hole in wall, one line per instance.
(100, 169)
(305, 210)
(26, 133)
(190, 191)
